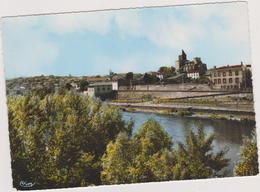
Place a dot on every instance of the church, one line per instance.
(194, 68)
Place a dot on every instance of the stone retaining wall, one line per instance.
(174, 87)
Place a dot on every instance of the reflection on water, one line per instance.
(228, 134)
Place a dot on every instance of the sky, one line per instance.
(137, 40)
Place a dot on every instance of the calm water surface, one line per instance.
(228, 134)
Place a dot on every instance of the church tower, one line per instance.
(181, 61)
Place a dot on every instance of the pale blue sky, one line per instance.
(135, 40)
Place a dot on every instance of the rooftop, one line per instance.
(101, 83)
(231, 66)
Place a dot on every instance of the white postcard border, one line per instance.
(28, 7)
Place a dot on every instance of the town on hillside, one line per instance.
(187, 75)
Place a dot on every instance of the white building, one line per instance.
(101, 88)
(193, 74)
(90, 92)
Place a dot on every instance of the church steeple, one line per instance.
(181, 61)
(183, 55)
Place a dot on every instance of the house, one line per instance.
(75, 86)
(230, 76)
(194, 74)
(103, 90)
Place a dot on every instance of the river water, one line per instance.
(228, 134)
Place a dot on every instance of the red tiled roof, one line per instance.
(232, 66)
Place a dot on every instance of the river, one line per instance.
(228, 134)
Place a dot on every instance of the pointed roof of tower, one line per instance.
(182, 52)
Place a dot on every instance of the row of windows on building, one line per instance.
(104, 88)
(218, 74)
(229, 87)
(224, 81)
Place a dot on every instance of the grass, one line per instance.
(131, 109)
(217, 116)
(184, 113)
(187, 101)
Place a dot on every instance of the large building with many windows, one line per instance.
(230, 76)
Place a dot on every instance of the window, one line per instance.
(215, 74)
(224, 81)
(237, 80)
(103, 89)
(219, 74)
(224, 74)
(215, 81)
(108, 88)
(230, 80)
(236, 73)
(230, 73)
(98, 89)
(219, 81)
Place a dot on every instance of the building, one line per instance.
(103, 90)
(194, 68)
(194, 74)
(74, 86)
(229, 77)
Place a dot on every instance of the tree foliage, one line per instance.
(65, 139)
(195, 158)
(150, 78)
(83, 85)
(58, 141)
(247, 80)
(135, 159)
(166, 70)
(248, 164)
(149, 156)
(129, 78)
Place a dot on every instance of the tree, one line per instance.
(58, 141)
(129, 77)
(117, 160)
(149, 156)
(68, 86)
(131, 160)
(150, 78)
(195, 159)
(83, 85)
(247, 80)
(150, 139)
(162, 164)
(248, 164)
(166, 70)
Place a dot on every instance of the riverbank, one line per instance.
(190, 111)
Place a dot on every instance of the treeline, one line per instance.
(69, 140)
